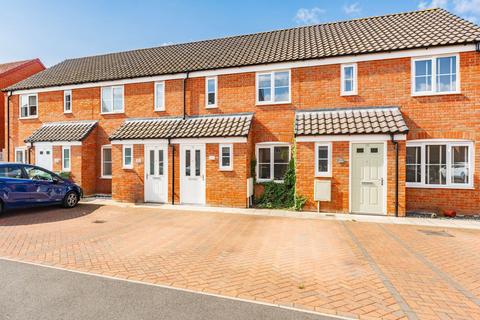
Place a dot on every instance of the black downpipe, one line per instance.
(173, 172)
(185, 96)
(395, 143)
(9, 94)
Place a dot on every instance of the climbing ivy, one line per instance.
(282, 195)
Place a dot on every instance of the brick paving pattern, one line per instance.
(358, 270)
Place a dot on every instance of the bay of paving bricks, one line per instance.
(359, 270)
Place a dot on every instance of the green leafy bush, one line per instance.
(64, 175)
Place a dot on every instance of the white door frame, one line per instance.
(146, 156)
(385, 171)
(203, 169)
(44, 147)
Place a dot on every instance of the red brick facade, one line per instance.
(380, 83)
(21, 71)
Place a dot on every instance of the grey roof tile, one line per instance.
(62, 131)
(192, 127)
(418, 29)
(384, 120)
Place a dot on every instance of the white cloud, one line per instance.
(352, 8)
(308, 16)
(467, 7)
(433, 4)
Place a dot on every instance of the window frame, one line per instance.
(327, 173)
(433, 91)
(65, 94)
(102, 175)
(156, 100)
(271, 146)
(69, 168)
(112, 95)
(449, 144)
(124, 164)
(28, 107)
(215, 105)
(220, 157)
(354, 92)
(24, 154)
(272, 87)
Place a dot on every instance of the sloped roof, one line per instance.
(62, 131)
(192, 127)
(382, 120)
(418, 29)
(9, 66)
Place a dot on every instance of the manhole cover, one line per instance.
(436, 233)
(99, 221)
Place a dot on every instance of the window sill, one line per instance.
(423, 186)
(225, 169)
(259, 103)
(109, 113)
(159, 110)
(269, 180)
(211, 107)
(433, 94)
(67, 112)
(127, 168)
(348, 94)
(28, 118)
(323, 175)
(106, 177)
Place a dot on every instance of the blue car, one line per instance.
(24, 185)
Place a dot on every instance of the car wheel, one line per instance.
(70, 200)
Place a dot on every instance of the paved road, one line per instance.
(35, 292)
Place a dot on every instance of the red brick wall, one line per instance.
(127, 184)
(9, 78)
(381, 83)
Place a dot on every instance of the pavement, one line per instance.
(332, 266)
(31, 292)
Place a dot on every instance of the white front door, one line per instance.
(43, 157)
(192, 173)
(156, 174)
(368, 183)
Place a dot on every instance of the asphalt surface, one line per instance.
(36, 292)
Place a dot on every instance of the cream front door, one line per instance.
(156, 171)
(367, 178)
(192, 173)
(43, 157)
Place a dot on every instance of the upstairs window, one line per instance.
(440, 164)
(67, 101)
(160, 96)
(211, 92)
(273, 87)
(435, 75)
(272, 162)
(28, 106)
(112, 99)
(348, 79)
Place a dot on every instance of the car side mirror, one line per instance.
(55, 180)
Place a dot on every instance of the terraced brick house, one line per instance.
(11, 73)
(382, 113)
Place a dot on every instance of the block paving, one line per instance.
(352, 269)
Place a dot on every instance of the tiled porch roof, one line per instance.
(193, 127)
(384, 120)
(62, 131)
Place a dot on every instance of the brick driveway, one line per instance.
(352, 269)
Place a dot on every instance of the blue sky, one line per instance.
(57, 30)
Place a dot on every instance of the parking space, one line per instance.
(353, 269)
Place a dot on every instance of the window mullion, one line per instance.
(272, 87)
(272, 163)
(434, 74)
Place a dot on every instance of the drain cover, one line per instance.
(436, 233)
(99, 221)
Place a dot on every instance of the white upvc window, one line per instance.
(272, 161)
(225, 157)
(440, 164)
(67, 101)
(21, 155)
(28, 106)
(436, 75)
(159, 96)
(323, 159)
(128, 156)
(66, 158)
(211, 89)
(273, 87)
(349, 82)
(106, 159)
(112, 99)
